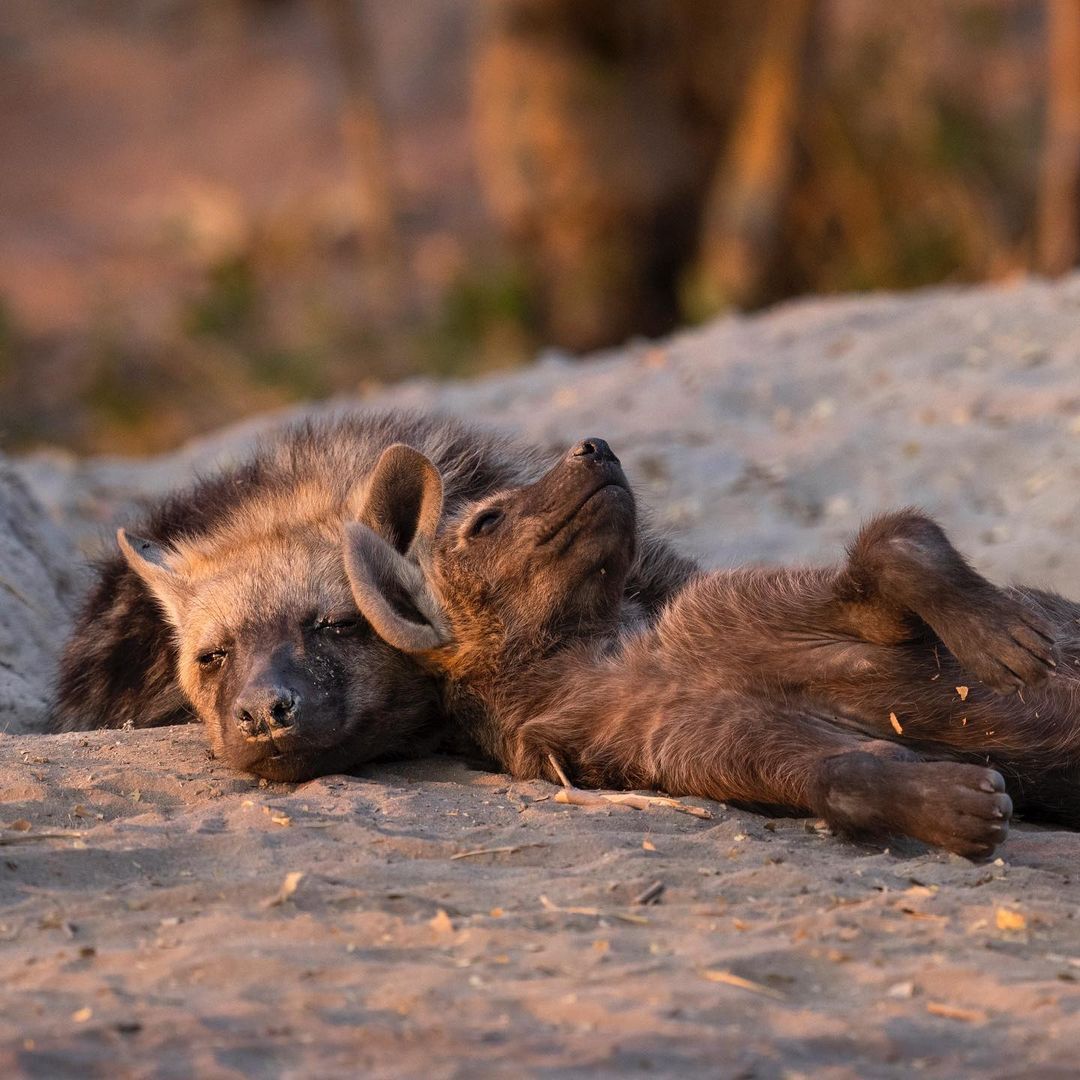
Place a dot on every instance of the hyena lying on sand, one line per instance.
(898, 693)
(231, 600)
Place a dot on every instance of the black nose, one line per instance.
(264, 710)
(594, 450)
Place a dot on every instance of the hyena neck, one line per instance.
(557, 687)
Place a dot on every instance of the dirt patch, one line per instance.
(147, 925)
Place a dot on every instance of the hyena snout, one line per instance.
(264, 710)
(594, 451)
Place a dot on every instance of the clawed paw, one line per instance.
(962, 808)
(1007, 646)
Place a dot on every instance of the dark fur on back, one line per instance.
(119, 666)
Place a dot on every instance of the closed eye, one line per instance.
(485, 522)
(345, 626)
(211, 658)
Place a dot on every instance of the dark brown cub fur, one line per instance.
(230, 601)
(878, 694)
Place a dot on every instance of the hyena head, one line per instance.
(289, 679)
(510, 577)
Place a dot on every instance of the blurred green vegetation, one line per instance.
(480, 316)
(228, 304)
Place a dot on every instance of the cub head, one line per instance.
(510, 577)
(289, 678)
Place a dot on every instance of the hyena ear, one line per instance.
(392, 593)
(150, 562)
(404, 499)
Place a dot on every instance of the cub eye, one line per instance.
(485, 523)
(343, 627)
(212, 658)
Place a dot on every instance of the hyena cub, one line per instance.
(230, 602)
(877, 694)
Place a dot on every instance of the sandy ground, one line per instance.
(146, 926)
(145, 932)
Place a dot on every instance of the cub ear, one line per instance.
(392, 593)
(150, 562)
(404, 499)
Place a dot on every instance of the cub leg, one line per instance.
(903, 564)
(744, 749)
(876, 791)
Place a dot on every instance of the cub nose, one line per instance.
(594, 451)
(265, 710)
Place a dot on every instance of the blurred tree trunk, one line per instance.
(364, 133)
(1059, 187)
(586, 161)
(606, 133)
(745, 207)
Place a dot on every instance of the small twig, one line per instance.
(596, 913)
(731, 979)
(572, 796)
(29, 838)
(650, 895)
(559, 771)
(955, 1012)
(287, 890)
(577, 797)
(509, 849)
(550, 905)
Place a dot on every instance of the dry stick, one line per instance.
(955, 1012)
(30, 838)
(509, 849)
(559, 771)
(729, 978)
(287, 890)
(573, 796)
(597, 913)
(651, 894)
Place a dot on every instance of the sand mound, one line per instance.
(39, 572)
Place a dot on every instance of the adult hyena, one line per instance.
(899, 692)
(230, 602)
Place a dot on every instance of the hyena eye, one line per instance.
(343, 627)
(211, 659)
(486, 522)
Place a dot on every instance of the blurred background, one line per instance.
(211, 207)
